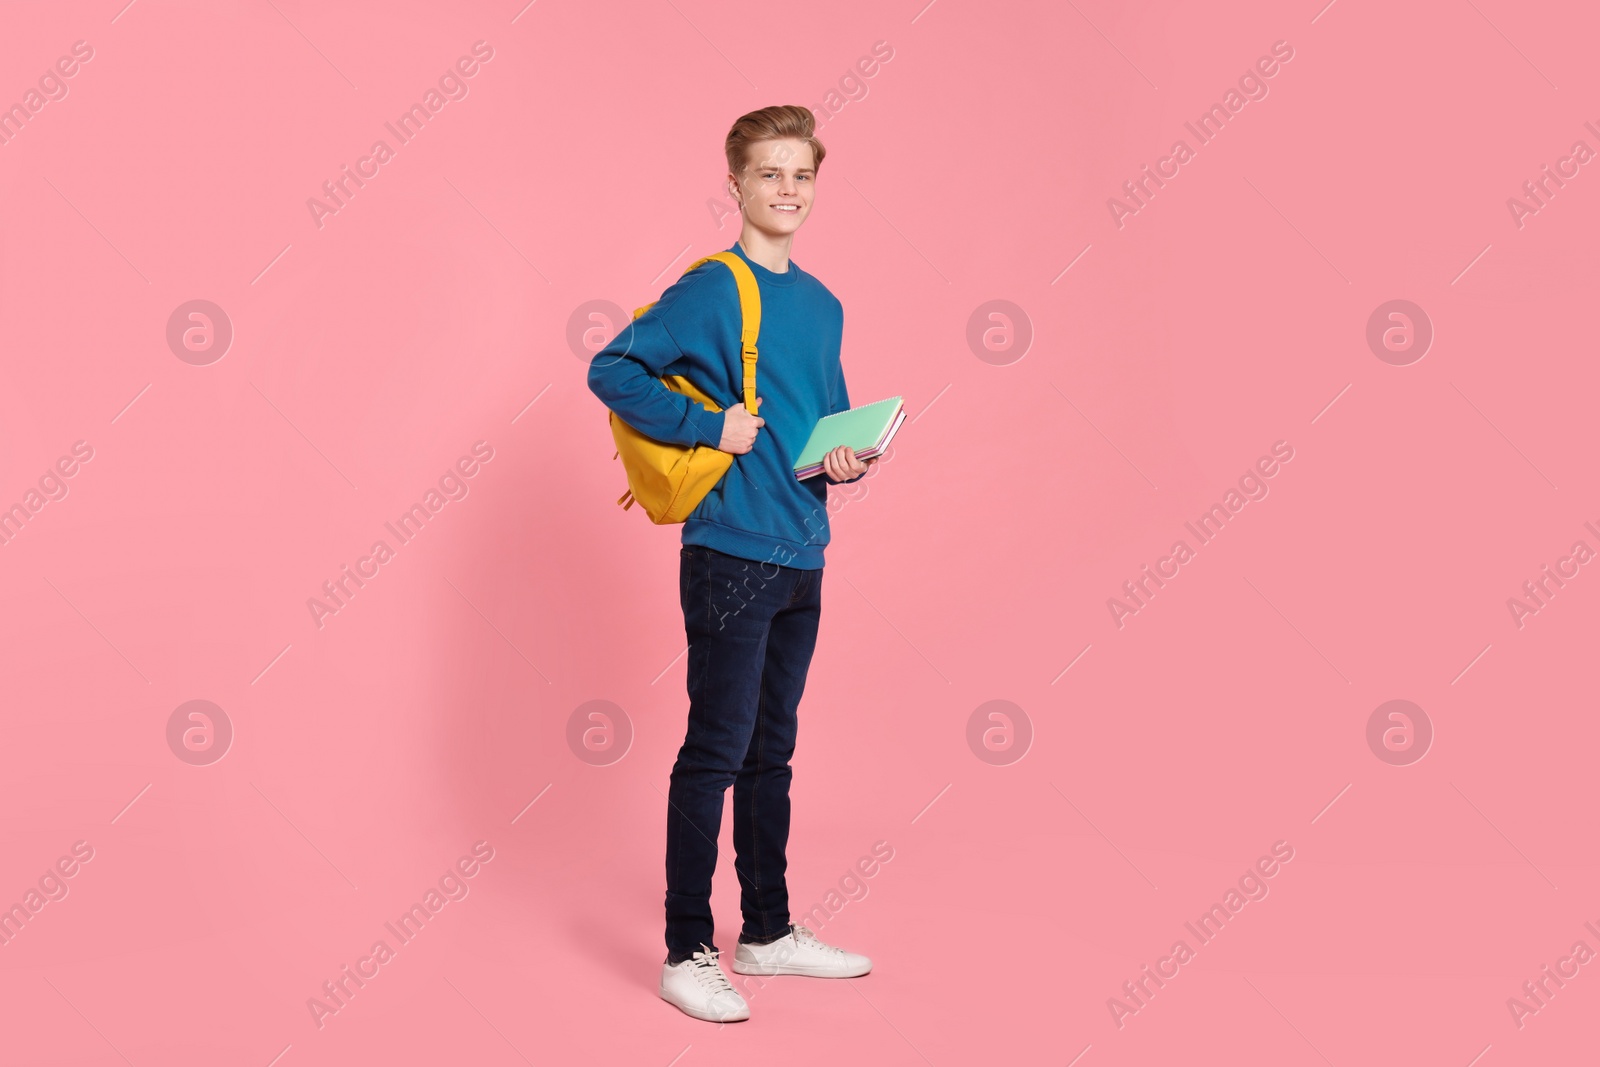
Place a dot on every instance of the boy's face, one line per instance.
(777, 186)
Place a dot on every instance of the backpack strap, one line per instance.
(750, 314)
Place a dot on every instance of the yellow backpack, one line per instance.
(671, 480)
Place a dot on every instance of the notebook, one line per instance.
(867, 429)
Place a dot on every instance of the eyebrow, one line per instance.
(802, 170)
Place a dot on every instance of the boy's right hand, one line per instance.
(739, 429)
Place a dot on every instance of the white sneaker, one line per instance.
(799, 952)
(698, 987)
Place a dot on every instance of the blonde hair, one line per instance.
(770, 124)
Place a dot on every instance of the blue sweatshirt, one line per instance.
(758, 510)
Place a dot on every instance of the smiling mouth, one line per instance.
(790, 209)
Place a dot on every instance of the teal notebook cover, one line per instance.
(861, 428)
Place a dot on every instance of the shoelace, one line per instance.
(804, 935)
(710, 975)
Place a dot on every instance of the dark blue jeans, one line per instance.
(752, 627)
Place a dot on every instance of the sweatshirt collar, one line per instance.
(765, 276)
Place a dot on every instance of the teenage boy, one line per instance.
(750, 569)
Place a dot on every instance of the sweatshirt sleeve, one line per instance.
(626, 373)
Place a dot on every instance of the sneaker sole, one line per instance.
(706, 1016)
(771, 969)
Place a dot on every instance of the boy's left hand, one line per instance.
(841, 464)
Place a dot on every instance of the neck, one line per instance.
(771, 252)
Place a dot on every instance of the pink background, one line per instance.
(975, 565)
